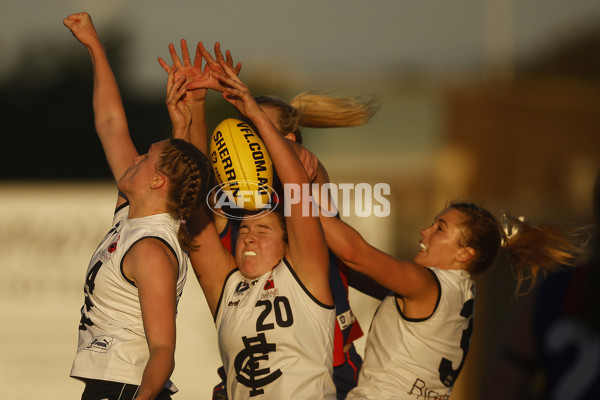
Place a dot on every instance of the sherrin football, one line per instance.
(242, 166)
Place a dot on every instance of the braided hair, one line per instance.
(189, 174)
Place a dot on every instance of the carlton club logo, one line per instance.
(246, 363)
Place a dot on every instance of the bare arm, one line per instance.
(402, 277)
(197, 80)
(318, 174)
(211, 261)
(413, 282)
(199, 134)
(306, 248)
(109, 114)
(153, 268)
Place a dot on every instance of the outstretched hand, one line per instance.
(214, 67)
(236, 92)
(180, 114)
(191, 71)
(82, 28)
(200, 79)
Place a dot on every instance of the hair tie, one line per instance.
(182, 221)
(510, 231)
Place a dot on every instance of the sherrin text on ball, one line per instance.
(242, 164)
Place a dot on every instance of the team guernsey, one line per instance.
(419, 358)
(112, 344)
(276, 339)
(347, 328)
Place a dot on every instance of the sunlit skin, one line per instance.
(260, 245)
(263, 235)
(440, 242)
(149, 263)
(273, 114)
(143, 170)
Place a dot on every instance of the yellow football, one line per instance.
(242, 166)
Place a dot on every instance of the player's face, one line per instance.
(440, 243)
(260, 245)
(140, 174)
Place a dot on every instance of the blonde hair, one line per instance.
(542, 248)
(320, 111)
(532, 249)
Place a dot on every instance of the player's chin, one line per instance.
(420, 258)
(122, 182)
(249, 273)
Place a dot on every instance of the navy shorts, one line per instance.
(106, 390)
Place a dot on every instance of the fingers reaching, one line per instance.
(176, 61)
(198, 59)
(164, 65)
(205, 54)
(200, 79)
(175, 88)
(179, 114)
(218, 54)
(185, 54)
(215, 63)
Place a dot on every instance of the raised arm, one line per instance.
(211, 261)
(179, 113)
(307, 250)
(195, 99)
(199, 80)
(109, 114)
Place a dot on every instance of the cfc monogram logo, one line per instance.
(248, 371)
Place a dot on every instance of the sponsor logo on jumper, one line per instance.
(345, 319)
(419, 391)
(269, 284)
(100, 344)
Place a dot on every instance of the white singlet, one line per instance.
(275, 338)
(112, 343)
(419, 359)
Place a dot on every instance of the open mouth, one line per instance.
(249, 253)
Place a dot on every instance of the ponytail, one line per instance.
(319, 111)
(542, 248)
(532, 249)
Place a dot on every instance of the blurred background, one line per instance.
(491, 101)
